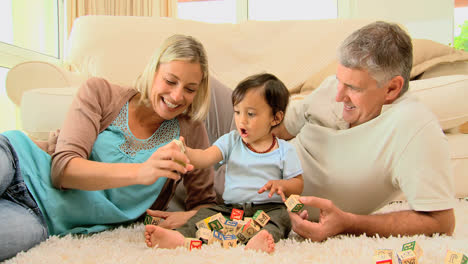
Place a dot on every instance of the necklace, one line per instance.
(261, 152)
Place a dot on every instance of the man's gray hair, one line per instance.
(383, 49)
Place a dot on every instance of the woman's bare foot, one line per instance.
(262, 241)
(163, 238)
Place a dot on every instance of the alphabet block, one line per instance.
(215, 225)
(182, 149)
(407, 257)
(152, 220)
(191, 243)
(204, 234)
(229, 241)
(382, 256)
(414, 247)
(261, 218)
(237, 214)
(230, 226)
(453, 257)
(203, 223)
(293, 204)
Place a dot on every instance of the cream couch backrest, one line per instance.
(118, 48)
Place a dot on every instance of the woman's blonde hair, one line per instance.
(183, 48)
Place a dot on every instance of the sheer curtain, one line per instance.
(77, 8)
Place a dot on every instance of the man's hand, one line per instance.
(333, 221)
(172, 220)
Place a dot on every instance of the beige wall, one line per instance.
(431, 19)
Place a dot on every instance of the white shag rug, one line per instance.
(126, 245)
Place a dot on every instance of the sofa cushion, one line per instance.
(446, 68)
(44, 109)
(428, 53)
(430, 59)
(445, 96)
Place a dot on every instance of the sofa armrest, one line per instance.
(37, 74)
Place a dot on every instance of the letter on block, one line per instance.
(261, 218)
(229, 241)
(383, 256)
(203, 223)
(191, 243)
(293, 204)
(215, 225)
(453, 257)
(407, 257)
(230, 226)
(414, 247)
(204, 234)
(237, 214)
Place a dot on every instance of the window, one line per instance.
(235, 11)
(460, 20)
(7, 108)
(31, 30)
(273, 10)
(217, 11)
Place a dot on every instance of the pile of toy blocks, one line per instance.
(410, 254)
(227, 232)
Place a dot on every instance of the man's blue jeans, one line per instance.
(22, 225)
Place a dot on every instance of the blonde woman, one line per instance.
(113, 159)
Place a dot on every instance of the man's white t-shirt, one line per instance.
(362, 168)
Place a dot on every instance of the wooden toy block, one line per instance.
(261, 218)
(180, 144)
(218, 217)
(414, 247)
(242, 237)
(229, 241)
(255, 225)
(152, 220)
(407, 257)
(383, 256)
(230, 226)
(218, 236)
(240, 225)
(453, 257)
(203, 223)
(293, 204)
(215, 225)
(204, 234)
(191, 243)
(237, 214)
(182, 149)
(382, 259)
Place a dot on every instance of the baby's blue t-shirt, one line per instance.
(247, 171)
(78, 211)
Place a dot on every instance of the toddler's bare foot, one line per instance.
(262, 241)
(163, 238)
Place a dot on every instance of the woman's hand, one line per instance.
(275, 186)
(163, 164)
(172, 219)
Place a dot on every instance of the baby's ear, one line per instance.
(278, 118)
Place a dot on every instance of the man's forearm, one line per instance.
(403, 223)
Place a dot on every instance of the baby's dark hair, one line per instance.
(275, 92)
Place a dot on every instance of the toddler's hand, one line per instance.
(274, 186)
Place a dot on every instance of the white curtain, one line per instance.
(77, 8)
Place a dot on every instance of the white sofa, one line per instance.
(301, 53)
